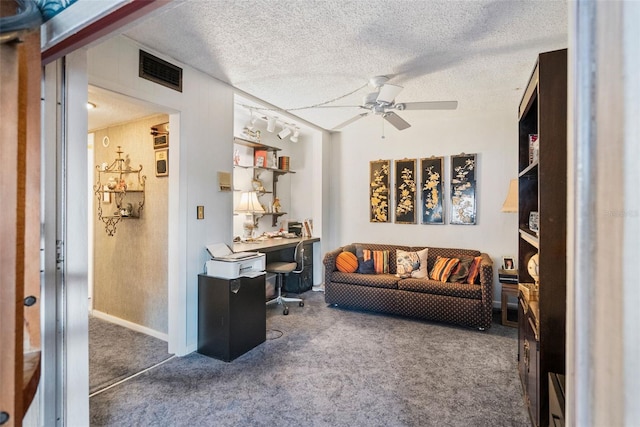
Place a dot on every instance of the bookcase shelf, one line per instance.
(542, 183)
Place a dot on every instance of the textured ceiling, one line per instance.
(301, 53)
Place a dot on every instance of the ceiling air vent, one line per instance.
(160, 71)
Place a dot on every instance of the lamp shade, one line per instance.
(249, 203)
(511, 202)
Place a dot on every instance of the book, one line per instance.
(260, 158)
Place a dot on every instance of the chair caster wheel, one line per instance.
(301, 304)
(285, 311)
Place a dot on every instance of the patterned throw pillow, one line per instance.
(474, 270)
(406, 263)
(422, 272)
(346, 262)
(443, 267)
(460, 273)
(380, 260)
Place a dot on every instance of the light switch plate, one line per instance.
(200, 212)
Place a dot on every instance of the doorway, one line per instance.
(128, 243)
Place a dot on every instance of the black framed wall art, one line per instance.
(432, 170)
(405, 191)
(463, 189)
(379, 190)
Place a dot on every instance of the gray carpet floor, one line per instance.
(116, 352)
(327, 366)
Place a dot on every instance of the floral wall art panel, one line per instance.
(432, 170)
(379, 191)
(463, 189)
(405, 194)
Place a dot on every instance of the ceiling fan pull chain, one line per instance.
(382, 127)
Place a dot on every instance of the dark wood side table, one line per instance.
(509, 289)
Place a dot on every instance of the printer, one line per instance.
(226, 264)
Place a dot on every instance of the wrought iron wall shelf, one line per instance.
(124, 191)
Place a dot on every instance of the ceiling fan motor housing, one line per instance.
(369, 100)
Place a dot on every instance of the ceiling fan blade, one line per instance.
(388, 93)
(397, 121)
(431, 105)
(351, 120)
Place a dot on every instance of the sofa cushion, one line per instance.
(381, 247)
(380, 260)
(474, 270)
(460, 290)
(346, 262)
(460, 273)
(374, 280)
(366, 267)
(350, 248)
(406, 263)
(445, 252)
(422, 272)
(443, 268)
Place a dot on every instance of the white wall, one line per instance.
(491, 134)
(201, 148)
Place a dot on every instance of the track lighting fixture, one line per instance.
(271, 124)
(285, 132)
(294, 137)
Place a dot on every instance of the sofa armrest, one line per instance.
(329, 262)
(486, 282)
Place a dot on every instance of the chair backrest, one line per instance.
(298, 256)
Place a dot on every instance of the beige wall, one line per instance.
(130, 267)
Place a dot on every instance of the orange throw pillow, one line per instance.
(347, 262)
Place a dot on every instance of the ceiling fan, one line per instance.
(382, 102)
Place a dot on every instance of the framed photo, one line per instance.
(508, 263)
(405, 191)
(379, 191)
(162, 162)
(160, 141)
(160, 135)
(534, 221)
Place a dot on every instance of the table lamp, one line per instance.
(250, 206)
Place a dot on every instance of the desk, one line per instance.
(282, 250)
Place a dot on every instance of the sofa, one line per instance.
(423, 298)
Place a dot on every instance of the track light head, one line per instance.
(285, 132)
(294, 137)
(271, 124)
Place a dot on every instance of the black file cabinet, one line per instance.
(231, 316)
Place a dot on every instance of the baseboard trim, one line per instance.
(130, 325)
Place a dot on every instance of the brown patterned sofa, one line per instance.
(457, 303)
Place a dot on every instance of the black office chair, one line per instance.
(283, 268)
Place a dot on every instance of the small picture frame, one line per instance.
(160, 141)
(533, 221)
(162, 162)
(508, 263)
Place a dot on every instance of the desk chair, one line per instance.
(283, 268)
